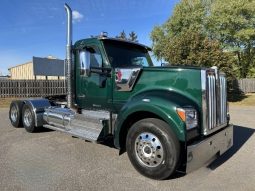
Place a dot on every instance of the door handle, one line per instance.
(81, 96)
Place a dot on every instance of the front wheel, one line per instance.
(153, 148)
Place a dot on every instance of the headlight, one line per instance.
(189, 116)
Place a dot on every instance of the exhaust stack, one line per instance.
(68, 61)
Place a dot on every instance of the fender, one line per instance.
(162, 103)
(38, 106)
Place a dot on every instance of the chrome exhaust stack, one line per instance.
(68, 60)
(67, 120)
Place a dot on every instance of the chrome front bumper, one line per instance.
(207, 150)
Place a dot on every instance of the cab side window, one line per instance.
(96, 59)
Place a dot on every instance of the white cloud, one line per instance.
(77, 17)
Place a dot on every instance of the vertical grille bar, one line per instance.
(221, 100)
(214, 102)
(223, 103)
(211, 101)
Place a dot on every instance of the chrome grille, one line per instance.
(214, 97)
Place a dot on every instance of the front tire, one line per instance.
(28, 119)
(153, 148)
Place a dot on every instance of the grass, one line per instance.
(249, 100)
(5, 102)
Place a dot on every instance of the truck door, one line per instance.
(94, 89)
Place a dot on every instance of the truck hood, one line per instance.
(179, 81)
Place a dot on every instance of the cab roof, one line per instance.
(81, 43)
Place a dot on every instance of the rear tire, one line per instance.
(15, 113)
(153, 148)
(28, 119)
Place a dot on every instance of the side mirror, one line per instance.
(84, 56)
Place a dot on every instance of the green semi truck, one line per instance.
(166, 118)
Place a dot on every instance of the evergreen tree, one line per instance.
(133, 36)
(122, 35)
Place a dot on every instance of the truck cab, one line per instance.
(166, 118)
(97, 64)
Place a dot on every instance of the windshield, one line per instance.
(122, 54)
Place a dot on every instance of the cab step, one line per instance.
(88, 126)
(103, 115)
(85, 133)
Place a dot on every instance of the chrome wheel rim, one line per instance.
(14, 113)
(28, 117)
(149, 150)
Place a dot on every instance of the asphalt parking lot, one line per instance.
(51, 160)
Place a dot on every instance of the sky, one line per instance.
(38, 27)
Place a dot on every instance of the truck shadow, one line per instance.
(241, 135)
(43, 130)
(108, 141)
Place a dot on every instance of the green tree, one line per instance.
(188, 15)
(133, 36)
(193, 48)
(232, 22)
(229, 22)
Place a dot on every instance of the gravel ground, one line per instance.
(55, 161)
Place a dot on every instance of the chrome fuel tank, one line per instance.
(57, 116)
